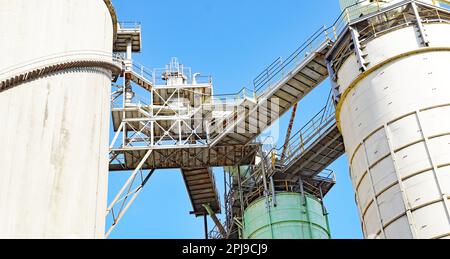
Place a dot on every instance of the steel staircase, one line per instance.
(314, 147)
(280, 86)
(310, 151)
(139, 74)
(201, 187)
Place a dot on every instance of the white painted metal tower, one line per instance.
(55, 79)
(393, 108)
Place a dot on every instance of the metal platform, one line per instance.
(126, 32)
(186, 157)
(177, 133)
(202, 190)
(212, 130)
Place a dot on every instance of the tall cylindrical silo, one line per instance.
(393, 93)
(55, 77)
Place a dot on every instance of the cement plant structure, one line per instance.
(387, 110)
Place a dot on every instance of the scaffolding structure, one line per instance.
(181, 123)
(177, 121)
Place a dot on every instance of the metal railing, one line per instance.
(299, 143)
(385, 20)
(326, 175)
(315, 128)
(309, 133)
(129, 25)
(400, 17)
(232, 98)
(276, 71)
(279, 69)
(365, 7)
(305, 137)
(142, 71)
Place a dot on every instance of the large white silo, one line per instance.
(55, 78)
(393, 92)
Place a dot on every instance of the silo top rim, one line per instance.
(112, 11)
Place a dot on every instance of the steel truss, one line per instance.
(171, 130)
(128, 193)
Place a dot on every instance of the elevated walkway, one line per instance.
(277, 89)
(328, 147)
(129, 39)
(314, 147)
(127, 159)
(163, 136)
(126, 32)
(311, 151)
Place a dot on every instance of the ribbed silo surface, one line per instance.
(55, 74)
(396, 127)
(295, 216)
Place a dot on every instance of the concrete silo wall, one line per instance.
(54, 128)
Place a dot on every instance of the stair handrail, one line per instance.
(323, 34)
(312, 130)
(279, 66)
(325, 117)
(143, 71)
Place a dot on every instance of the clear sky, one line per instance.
(233, 41)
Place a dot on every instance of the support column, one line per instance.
(205, 222)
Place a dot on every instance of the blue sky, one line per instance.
(233, 41)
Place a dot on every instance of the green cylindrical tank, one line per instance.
(295, 216)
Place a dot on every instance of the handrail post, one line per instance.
(426, 42)
(326, 32)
